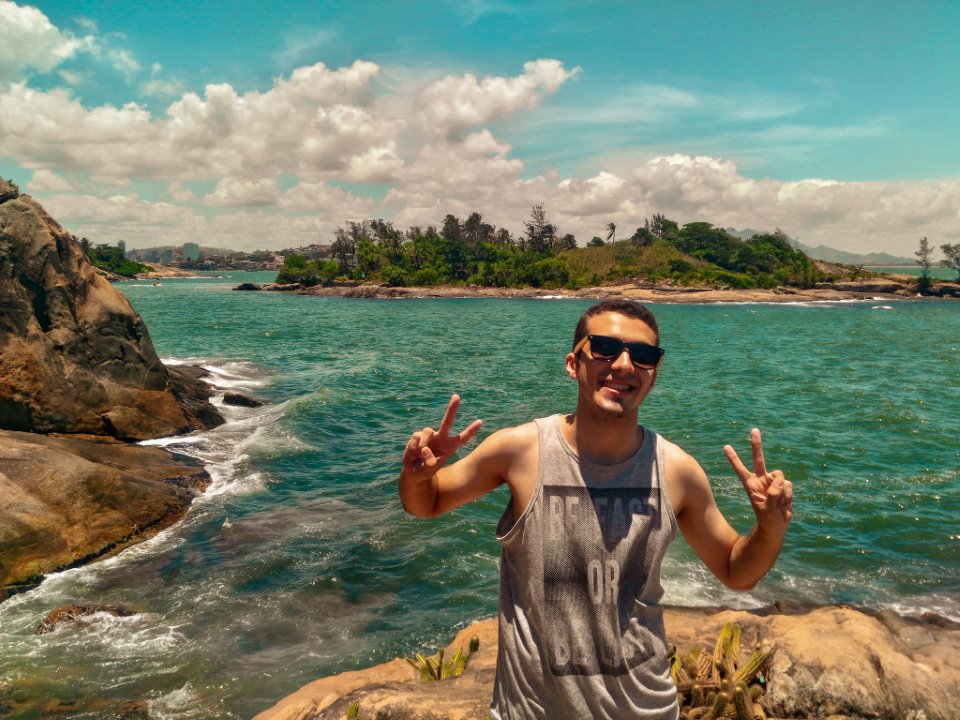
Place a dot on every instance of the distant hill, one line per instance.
(829, 254)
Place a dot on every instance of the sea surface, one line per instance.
(299, 561)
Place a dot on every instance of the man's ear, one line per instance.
(571, 366)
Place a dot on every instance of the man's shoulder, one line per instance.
(678, 460)
(516, 438)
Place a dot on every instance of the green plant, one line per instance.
(440, 669)
(719, 684)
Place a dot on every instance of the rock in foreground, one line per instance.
(74, 355)
(66, 501)
(826, 662)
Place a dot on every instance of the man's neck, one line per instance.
(602, 438)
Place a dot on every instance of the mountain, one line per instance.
(829, 254)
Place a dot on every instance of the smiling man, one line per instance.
(596, 499)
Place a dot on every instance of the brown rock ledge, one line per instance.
(65, 501)
(827, 662)
(637, 291)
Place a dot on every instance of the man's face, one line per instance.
(615, 388)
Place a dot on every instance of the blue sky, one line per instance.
(254, 125)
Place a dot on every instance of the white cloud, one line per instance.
(29, 42)
(179, 193)
(46, 181)
(315, 121)
(123, 62)
(233, 192)
(457, 102)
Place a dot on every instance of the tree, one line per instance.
(596, 241)
(951, 259)
(642, 235)
(611, 232)
(924, 254)
(539, 233)
(344, 249)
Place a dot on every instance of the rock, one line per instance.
(74, 355)
(283, 287)
(232, 398)
(248, 286)
(67, 501)
(870, 285)
(948, 289)
(826, 662)
(8, 191)
(74, 614)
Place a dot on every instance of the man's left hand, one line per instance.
(770, 493)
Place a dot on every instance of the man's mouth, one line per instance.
(617, 387)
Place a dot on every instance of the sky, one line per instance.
(248, 125)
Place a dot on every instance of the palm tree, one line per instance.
(611, 232)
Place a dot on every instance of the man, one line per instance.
(595, 501)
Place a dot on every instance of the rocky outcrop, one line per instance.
(74, 355)
(77, 615)
(826, 662)
(67, 500)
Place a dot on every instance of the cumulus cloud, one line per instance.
(315, 121)
(457, 102)
(29, 42)
(46, 181)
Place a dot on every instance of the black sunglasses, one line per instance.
(608, 349)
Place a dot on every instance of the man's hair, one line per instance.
(630, 308)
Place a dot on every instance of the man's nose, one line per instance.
(623, 361)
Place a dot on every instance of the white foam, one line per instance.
(180, 704)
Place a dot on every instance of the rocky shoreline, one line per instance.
(80, 381)
(834, 662)
(71, 500)
(856, 290)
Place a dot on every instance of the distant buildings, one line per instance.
(191, 252)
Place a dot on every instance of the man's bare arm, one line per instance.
(738, 561)
(429, 488)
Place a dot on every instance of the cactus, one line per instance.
(440, 669)
(720, 684)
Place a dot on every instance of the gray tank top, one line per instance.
(581, 626)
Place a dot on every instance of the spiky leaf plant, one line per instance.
(719, 684)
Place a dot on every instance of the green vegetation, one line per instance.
(441, 669)
(473, 252)
(110, 258)
(719, 684)
(951, 257)
(924, 254)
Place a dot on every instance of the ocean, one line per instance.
(299, 562)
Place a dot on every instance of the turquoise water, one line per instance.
(299, 561)
(937, 272)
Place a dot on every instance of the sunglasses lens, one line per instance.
(645, 355)
(605, 347)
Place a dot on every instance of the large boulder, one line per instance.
(69, 500)
(829, 662)
(74, 355)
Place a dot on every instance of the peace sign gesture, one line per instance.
(770, 493)
(428, 449)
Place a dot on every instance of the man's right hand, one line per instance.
(428, 449)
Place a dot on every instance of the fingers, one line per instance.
(450, 416)
(756, 445)
(466, 435)
(738, 467)
(411, 453)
